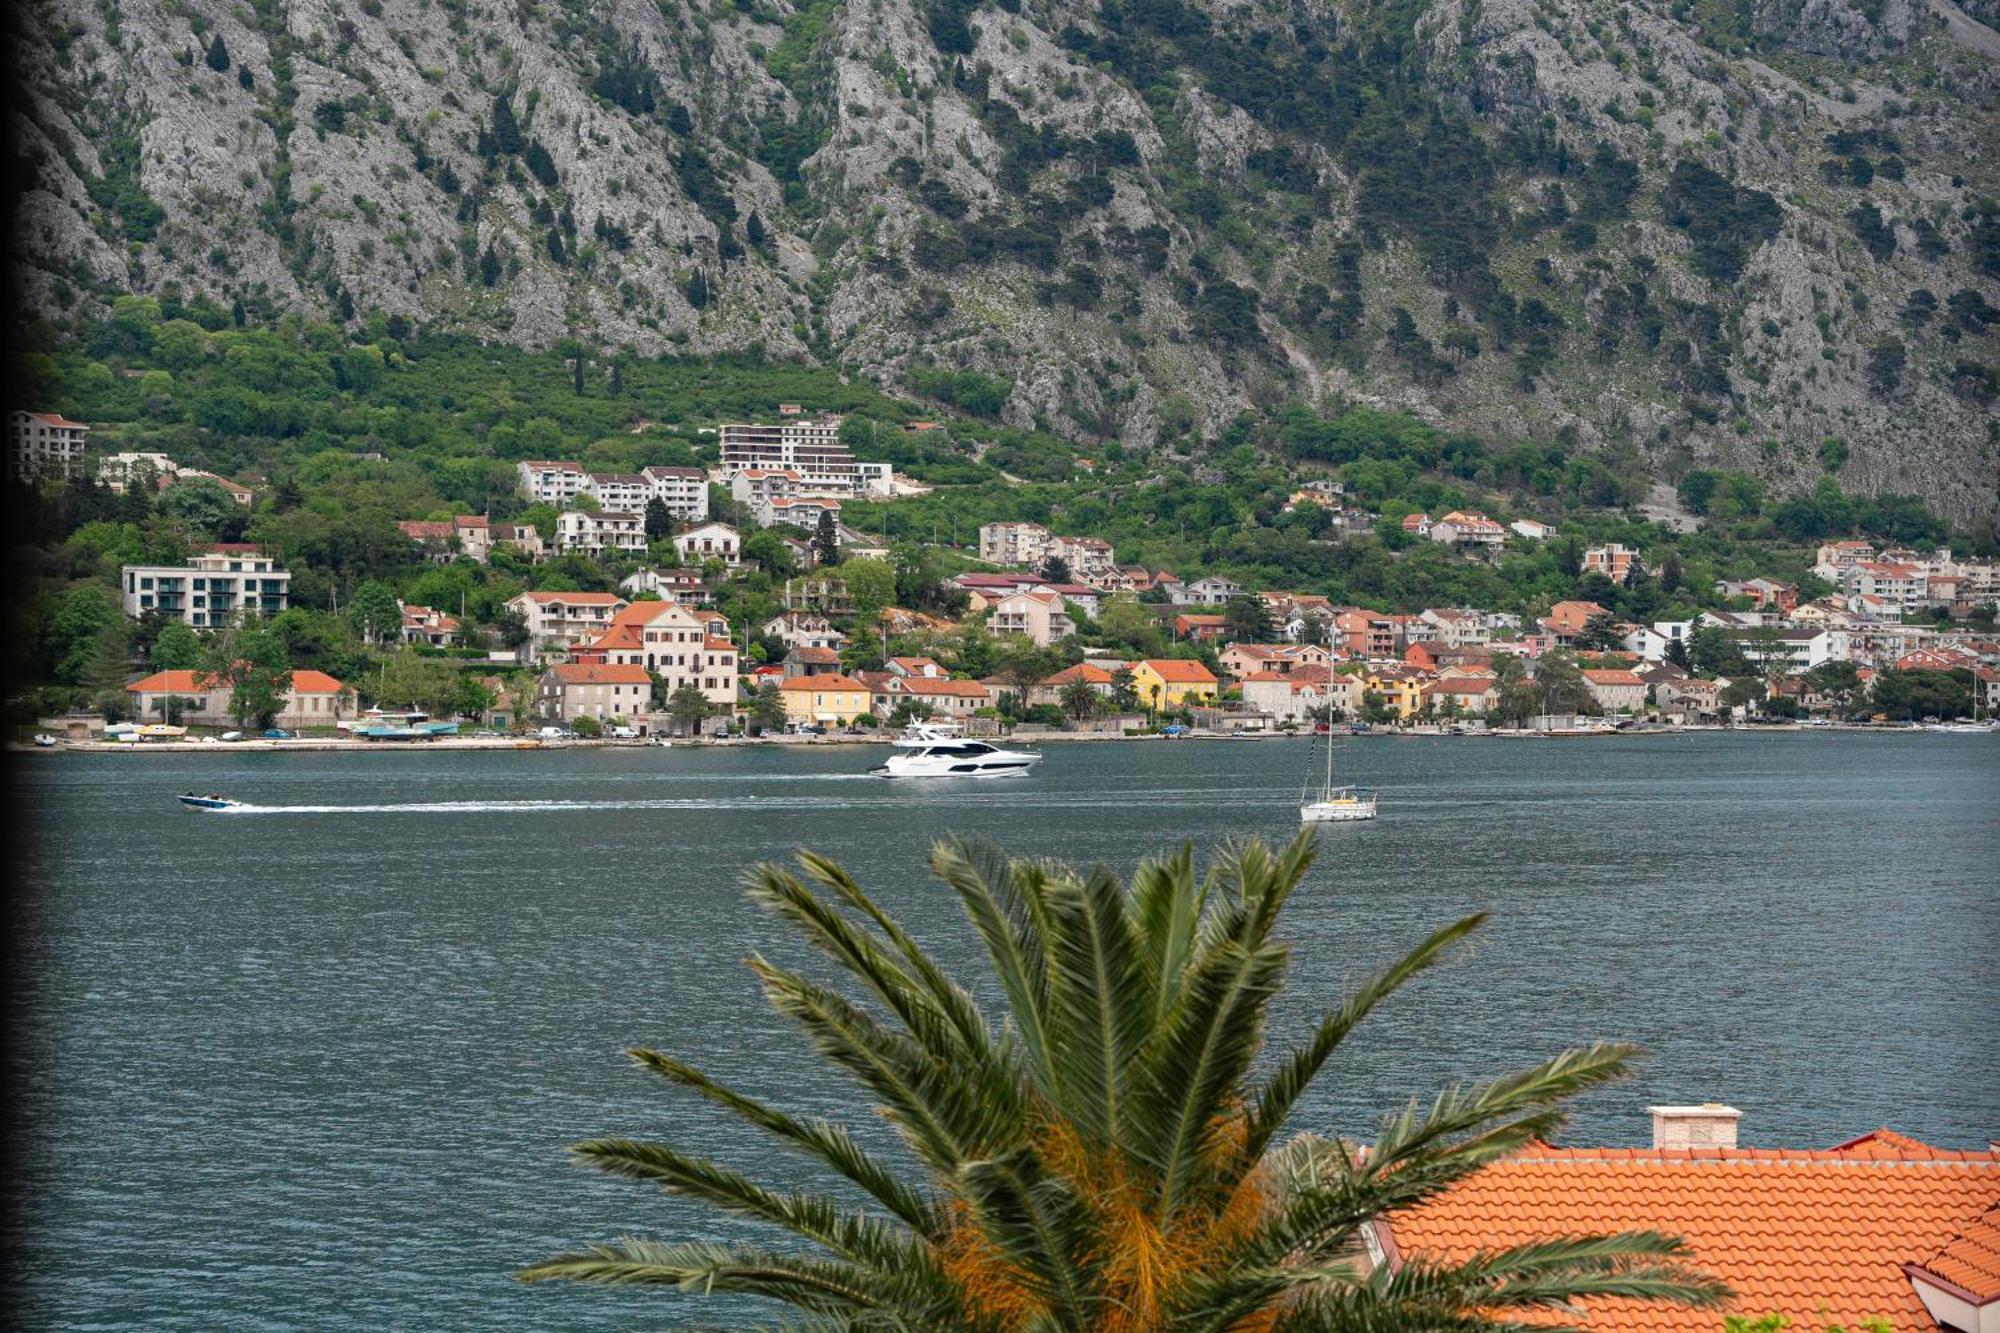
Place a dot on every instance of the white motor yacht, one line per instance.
(928, 752)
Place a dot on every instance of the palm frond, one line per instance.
(1003, 902)
(1197, 1066)
(1098, 992)
(818, 1286)
(1274, 1103)
(827, 1143)
(1168, 900)
(816, 1218)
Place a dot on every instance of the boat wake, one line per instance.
(526, 807)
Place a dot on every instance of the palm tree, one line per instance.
(1105, 1160)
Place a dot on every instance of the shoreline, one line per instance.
(461, 744)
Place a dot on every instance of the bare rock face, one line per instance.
(1685, 238)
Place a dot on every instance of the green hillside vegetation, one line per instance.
(342, 435)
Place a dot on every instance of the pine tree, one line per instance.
(556, 247)
(697, 290)
(218, 54)
(489, 267)
(244, 78)
(753, 230)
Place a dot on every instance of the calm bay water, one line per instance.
(315, 1068)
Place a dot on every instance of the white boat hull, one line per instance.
(1337, 812)
(991, 766)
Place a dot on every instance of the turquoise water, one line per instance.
(314, 1068)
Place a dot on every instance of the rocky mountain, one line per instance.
(1752, 234)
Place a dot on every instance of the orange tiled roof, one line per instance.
(1970, 1261)
(1179, 671)
(831, 682)
(600, 673)
(1821, 1237)
(1083, 671)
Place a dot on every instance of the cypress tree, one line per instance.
(697, 290)
(506, 130)
(218, 54)
(489, 267)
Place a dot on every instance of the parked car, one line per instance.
(556, 734)
(623, 733)
(277, 734)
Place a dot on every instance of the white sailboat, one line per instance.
(1334, 805)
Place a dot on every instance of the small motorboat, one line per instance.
(194, 802)
(45, 741)
(928, 752)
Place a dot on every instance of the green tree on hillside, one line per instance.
(374, 614)
(218, 54)
(826, 539)
(176, 649)
(1111, 1153)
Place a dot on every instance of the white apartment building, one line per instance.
(809, 446)
(581, 532)
(1090, 559)
(44, 443)
(211, 590)
(1903, 586)
(753, 486)
(1021, 545)
(120, 470)
(710, 541)
(683, 490)
(555, 620)
(877, 481)
(1796, 650)
(551, 483)
(798, 511)
(622, 491)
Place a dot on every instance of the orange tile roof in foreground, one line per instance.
(1821, 1237)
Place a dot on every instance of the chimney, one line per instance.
(1710, 1125)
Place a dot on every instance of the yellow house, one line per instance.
(830, 698)
(1404, 697)
(1170, 682)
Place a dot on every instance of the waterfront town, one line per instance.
(1030, 628)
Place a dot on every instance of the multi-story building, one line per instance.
(40, 443)
(608, 531)
(877, 481)
(558, 620)
(1365, 633)
(1617, 563)
(624, 491)
(1457, 628)
(1039, 615)
(122, 469)
(211, 590)
(680, 645)
(1090, 559)
(752, 486)
(683, 490)
(551, 483)
(1901, 585)
(809, 446)
(426, 624)
(798, 511)
(1459, 528)
(570, 690)
(1021, 545)
(710, 541)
